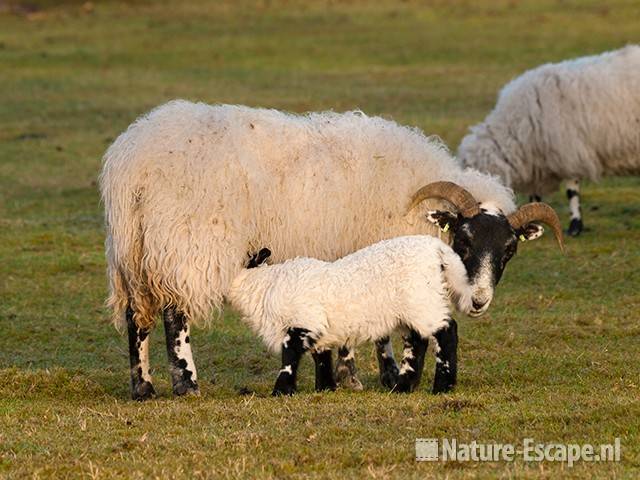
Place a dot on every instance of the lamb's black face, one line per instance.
(485, 243)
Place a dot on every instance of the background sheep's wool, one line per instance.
(555, 358)
(576, 119)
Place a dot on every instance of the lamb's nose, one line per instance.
(477, 305)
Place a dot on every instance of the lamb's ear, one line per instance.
(530, 231)
(259, 258)
(443, 219)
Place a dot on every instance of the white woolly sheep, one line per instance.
(404, 283)
(189, 189)
(573, 120)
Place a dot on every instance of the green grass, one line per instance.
(556, 358)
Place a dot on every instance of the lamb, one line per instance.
(574, 120)
(305, 304)
(189, 189)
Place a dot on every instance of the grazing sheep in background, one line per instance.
(189, 189)
(405, 283)
(574, 120)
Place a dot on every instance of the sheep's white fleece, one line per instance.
(190, 188)
(578, 119)
(401, 282)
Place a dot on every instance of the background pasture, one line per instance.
(556, 358)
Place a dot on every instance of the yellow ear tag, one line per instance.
(522, 239)
(445, 228)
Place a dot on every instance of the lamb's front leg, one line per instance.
(412, 363)
(346, 369)
(446, 349)
(141, 386)
(296, 342)
(324, 371)
(386, 363)
(181, 364)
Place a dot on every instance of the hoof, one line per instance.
(441, 388)
(389, 378)
(143, 391)
(326, 387)
(351, 383)
(404, 385)
(345, 377)
(575, 227)
(186, 388)
(280, 391)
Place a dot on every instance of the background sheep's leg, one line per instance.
(296, 342)
(181, 364)
(446, 357)
(346, 369)
(573, 194)
(534, 197)
(324, 371)
(412, 363)
(386, 362)
(141, 386)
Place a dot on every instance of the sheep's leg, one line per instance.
(412, 363)
(573, 194)
(446, 357)
(386, 362)
(181, 364)
(296, 342)
(346, 369)
(141, 386)
(324, 371)
(534, 197)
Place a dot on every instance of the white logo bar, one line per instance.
(449, 449)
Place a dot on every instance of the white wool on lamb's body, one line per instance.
(401, 282)
(190, 188)
(577, 119)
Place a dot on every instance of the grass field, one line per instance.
(555, 359)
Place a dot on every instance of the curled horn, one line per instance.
(538, 212)
(452, 193)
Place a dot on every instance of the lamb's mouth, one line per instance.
(478, 309)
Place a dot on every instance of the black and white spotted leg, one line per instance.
(346, 369)
(412, 363)
(141, 386)
(446, 348)
(534, 197)
(324, 371)
(296, 342)
(181, 364)
(573, 195)
(386, 363)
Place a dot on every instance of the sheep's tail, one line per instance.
(455, 274)
(124, 245)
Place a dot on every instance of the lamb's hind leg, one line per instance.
(324, 371)
(346, 369)
(446, 349)
(181, 364)
(573, 195)
(386, 363)
(141, 386)
(412, 363)
(296, 342)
